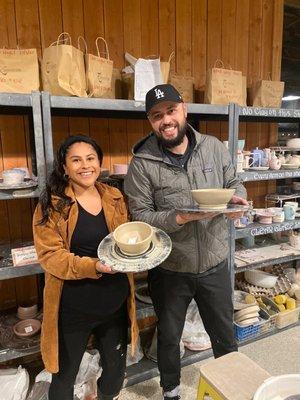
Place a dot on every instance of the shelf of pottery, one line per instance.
(267, 244)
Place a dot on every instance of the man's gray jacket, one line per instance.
(155, 188)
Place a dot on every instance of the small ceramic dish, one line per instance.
(249, 321)
(27, 327)
(289, 166)
(260, 278)
(27, 312)
(252, 308)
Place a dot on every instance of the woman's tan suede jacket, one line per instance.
(52, 242)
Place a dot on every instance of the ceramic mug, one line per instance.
(293, 204)
(289, 212)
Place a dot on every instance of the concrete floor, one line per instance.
(278, 354)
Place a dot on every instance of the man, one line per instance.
(167, 164)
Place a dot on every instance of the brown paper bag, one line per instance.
(223, 86)
(19, 70)
(128, 85)
(99, 72)
(165, 68)
(63, 71)
(184, 85)
(267, 93)
(115, 91)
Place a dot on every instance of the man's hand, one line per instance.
(182, 219)
(239, 200)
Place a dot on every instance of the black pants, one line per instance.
(111, 336)
(171, 294)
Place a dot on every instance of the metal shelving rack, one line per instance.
(257, 114)
(28, 104)
(128, 109)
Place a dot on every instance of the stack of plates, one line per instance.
(247, 316)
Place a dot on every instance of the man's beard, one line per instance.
(170, 143)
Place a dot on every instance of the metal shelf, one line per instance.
(7, 194)
(257, 229)
(15, 103)
(17, 272)
(10, 354)
(267, 263)
(249, 176)
(147, 369)
(259, 114)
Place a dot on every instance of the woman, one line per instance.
(81, 295)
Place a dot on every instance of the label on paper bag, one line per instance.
(28, 329)
(24, 256)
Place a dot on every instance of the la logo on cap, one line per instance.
(159, 93)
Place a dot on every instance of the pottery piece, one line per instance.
(260, 278)
(289, 212)
(27, 311)
(120, 169)
(212, 198)
(274, 162)
(13, 176)
(294, 241)
(293, 143)
(27, 327)
(133, 238)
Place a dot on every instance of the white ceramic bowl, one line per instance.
(212, 198)
(133, 238)
(293, 143)
(13, 177)
(260, 278)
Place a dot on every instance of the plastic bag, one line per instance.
(14, 384)
(86, 381)
(151, 353)
(194, 335)
(85, 385)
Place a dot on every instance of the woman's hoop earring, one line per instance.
(66, 177)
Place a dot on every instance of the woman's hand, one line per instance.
(104, 269)
(182, 219)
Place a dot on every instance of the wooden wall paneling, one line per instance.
(167, 32)
(99, 131)
(94, 26)
(73, 23)
(8, 39)
(228, 46)
(149, 27)
(50, 29)
(117, 142)
(28, 35)
(199, 51)
(93, 14)
(50, 22)
(114, 33)
(214, 49)
(241, 47)
(265, 138)
(184, 37)
(150, 36)
(254, 68)
(132, 44)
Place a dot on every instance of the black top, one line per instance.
(181, 159)
(101, 296)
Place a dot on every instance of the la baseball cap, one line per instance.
(160, 93)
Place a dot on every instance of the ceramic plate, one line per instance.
(253, 314)
(23, 185)
(226, 210)
(258, 168)
(110, 254)
(289, 166)
(246, 311)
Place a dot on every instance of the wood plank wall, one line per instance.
(245, 34)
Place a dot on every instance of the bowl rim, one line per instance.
(132, 222)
